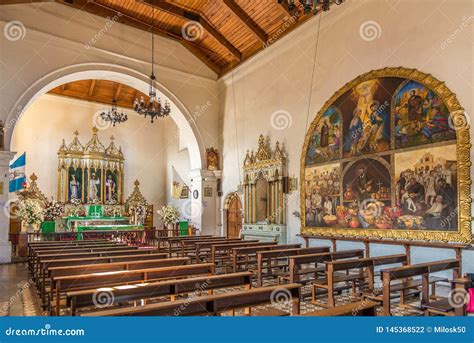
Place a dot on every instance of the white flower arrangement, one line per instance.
(53, 211)
(76, 209)
(169, 214)
(30, 212)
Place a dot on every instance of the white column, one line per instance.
(5, 245)
(203, 210)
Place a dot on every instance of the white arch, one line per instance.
(111, 72)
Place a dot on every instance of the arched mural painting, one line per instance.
(388, 156)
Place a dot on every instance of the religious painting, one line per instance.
(75, 184)
(184, 192)
(366, 116)
(402, 172)
(426, 188)
(212, 158)
(111, 186)
(323, 190)
(420, 116)
(326, 141)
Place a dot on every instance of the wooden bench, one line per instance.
(203, 249)
(222, 252)
(170, 288)
(445, 306)
(48, 265)
(421, 269)
(188, 247)
(175, 245)
(113, 267)
(212, 305)
(80, 255)
(360, 308)
(64, 284)
(296, 264)
(247, 256)
(277, 255)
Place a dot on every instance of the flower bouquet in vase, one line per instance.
(169, 215)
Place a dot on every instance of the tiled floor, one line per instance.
(18, 295)
(17, 292)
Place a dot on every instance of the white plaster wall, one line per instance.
(145, 146)
(44, 47)
(409, 34)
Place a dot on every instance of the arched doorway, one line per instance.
(233, 215)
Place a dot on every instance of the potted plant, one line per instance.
(31, 214)
(169, 215)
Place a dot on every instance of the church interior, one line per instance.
(236, 158)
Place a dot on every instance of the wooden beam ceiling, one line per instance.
(231, 30)
(246, 20)
(196, 17)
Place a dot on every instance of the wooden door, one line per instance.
(234, 217)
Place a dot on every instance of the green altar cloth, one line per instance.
(48, 227)
(183, 228)
(81, 229)
(96, 211)
(124, 220)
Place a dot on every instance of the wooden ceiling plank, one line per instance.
(246, 20)
(107, 12)
(91, 87)
(193, 16)
(117, 91)
(19, 2)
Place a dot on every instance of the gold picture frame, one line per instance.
(463, 163)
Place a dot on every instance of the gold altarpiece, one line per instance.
(263, 193)
(90, 173)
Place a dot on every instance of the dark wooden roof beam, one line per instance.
(246, 20)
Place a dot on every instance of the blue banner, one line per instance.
(17, 174)
(237, 329)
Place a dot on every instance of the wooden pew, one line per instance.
(113, 267)
(445, 306)
(421, 269)
(296, 263)
(221, 252)
(175, 244)
(94, 253)
(171, 288)
(47, 264)
(268, 256)
(63, 284)
(188, 247)
(211, 305)
(360, 308)
(247, 256)
(365, 274)
(204, 248)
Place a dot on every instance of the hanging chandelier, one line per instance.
(113, 115)
(309, 5)
(153, 108)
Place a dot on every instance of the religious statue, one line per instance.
(93, 188)
(212, 159)
(74, 187)
(110, 188)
